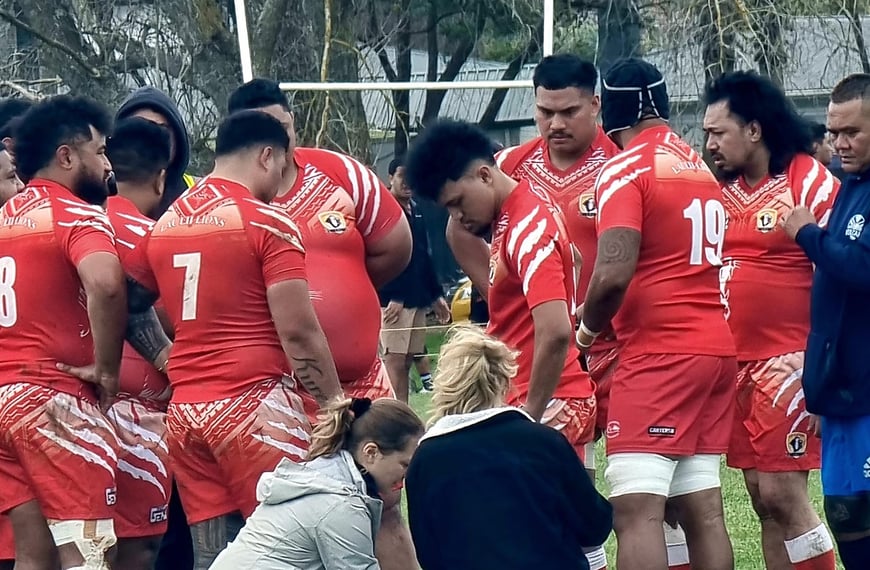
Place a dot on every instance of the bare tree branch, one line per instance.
(853, 13)
(454, 66)
(513, 69)
(66, 50)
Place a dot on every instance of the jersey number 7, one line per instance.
(191, 264)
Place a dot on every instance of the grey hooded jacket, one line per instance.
(312, 516)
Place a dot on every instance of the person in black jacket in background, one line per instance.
(488, 486)
(407, 298)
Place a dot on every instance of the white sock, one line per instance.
(678, 550)
(809, 545)
(597, 558)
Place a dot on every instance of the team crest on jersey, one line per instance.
(334, 222)
(796, 444)
(766, 219)
(588, 206)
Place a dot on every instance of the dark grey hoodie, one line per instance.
(152, 98)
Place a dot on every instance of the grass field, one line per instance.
(742, 523)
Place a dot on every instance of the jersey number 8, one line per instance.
(8, 304)
(708, 231)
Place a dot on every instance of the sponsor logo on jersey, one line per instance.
(588, 206)
(493, 265)
(796, 444)
(855, 227)
(661, 431)
(867, 468)
(765, 220)
(111, 496)
(613, 429)
(158, 514)
(333, 222)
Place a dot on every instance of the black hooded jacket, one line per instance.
(154, 99)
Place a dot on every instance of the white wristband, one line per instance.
(585, 330)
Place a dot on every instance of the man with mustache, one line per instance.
(54, 442)
(564, 161)
(763, 151)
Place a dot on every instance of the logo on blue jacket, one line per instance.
(855, 227)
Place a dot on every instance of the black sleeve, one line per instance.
(590, 514)
(432, 282)
(421, 510)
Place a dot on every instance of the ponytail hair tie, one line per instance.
(359, 406)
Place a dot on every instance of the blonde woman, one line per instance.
(489, 487)
(325, 513)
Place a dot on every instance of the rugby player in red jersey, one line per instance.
(230, 270)
(660, 228)
(762, 147)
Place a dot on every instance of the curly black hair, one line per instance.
(755, 98)
(53, 122)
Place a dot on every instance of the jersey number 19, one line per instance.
(708, 231)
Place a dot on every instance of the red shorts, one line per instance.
(7, 541)
(218, 450)
(602, 365)
(374, 386)
(671, 404)
(143, 478)
(771, 424)
(58, 449)
(575, 419)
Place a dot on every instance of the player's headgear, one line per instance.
(632, 90)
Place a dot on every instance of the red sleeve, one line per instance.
(619, 193)
(377, 212)
(83, 229)
(137, 266)
(278, 243)
(813, 186)
(534, 252)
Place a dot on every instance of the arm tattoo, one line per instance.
(308, 372)
(139, 299)
(146, 335)
(619, 246)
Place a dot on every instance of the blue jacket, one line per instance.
(837, 367)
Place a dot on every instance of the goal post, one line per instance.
(248, 72)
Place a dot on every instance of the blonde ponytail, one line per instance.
(474, 373)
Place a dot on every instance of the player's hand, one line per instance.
(794, 220)
(815, 425)
(107, 384)
(392, 312)
(442, 311)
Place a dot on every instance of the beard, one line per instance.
(92, 189)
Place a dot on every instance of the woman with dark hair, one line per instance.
(325, 513)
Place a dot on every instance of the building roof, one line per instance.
(821, 51)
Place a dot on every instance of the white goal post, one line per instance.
(248, 73)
